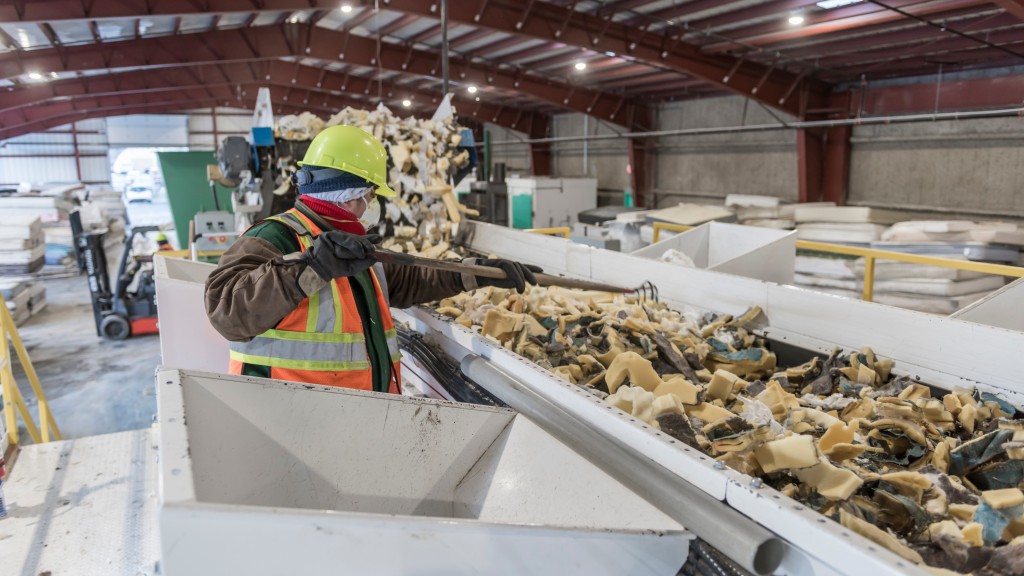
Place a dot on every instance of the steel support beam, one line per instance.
(948, 95)
(593, 32)
(319, 83)
(151, 108)
(810, 160)
(541, 20)
(1015, 7)
(300, 40)
(832, 21)
(835, 184)
(540, 152)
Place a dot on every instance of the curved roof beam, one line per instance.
(300, 40)
(772, 87)
(320, 84)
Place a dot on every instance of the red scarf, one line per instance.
(335, 215)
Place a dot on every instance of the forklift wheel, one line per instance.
(115, 327)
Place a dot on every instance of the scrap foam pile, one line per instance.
(934, 477)
(423, 154)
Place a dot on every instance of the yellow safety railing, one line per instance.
(870, 255)
(13, 399)
(562, 231)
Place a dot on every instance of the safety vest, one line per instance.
(322, 340)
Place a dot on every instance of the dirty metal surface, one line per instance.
(84, 507)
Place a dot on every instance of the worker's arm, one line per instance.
(412, 285)
(254, 286)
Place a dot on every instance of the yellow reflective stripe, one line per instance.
(313, 336)
(336, 294)
(298, 364)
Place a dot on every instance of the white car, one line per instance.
(138, 194)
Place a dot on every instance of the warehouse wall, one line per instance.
(968, 166)
(49, 157)
(689, 168)
(516, 156)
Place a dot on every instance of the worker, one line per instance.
(162, 244)
(300, 295)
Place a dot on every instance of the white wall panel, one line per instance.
(148, 129)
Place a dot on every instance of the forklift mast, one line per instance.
(94, 258)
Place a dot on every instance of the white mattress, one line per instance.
(922, 286)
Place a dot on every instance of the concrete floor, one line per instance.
(94, 386)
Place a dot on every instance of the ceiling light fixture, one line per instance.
(345, 8)
(471, 89)
(35, 75)
(830, 4)
(407, 103)
(580, 66)
(53, 74)
(796, 20)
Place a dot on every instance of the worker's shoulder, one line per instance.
(277, 233)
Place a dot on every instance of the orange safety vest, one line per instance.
(321, 341)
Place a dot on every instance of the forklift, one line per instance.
(130, 308)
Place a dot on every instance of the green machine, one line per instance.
(188, 189)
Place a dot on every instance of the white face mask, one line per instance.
(371, 217)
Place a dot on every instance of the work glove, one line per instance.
(337, 254)
(519, 274)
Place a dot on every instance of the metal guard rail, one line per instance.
(869, 255)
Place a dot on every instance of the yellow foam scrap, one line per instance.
(883, 366)
(665, 404)
(866, 375)
(802, 428)
(795, 451)
(842, 451)
(968, 417)
(822, 419)
(909, 484)
(972, 534)
(1015, 449)
(915, 391)
(615, 349)
(501, 324)
(878, 536)
(638, 368)
(721, 384)
(952, 403)
(571, 373)
(862, 408)
(679, 387)
(635, 400)
(830, 481)
(943, 528)
(707, 412)
(940, 456)
(962, 512)
(1004, 498)
(1013, 530)
(836, 433)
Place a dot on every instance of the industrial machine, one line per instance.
(746, 522)
(489, 197)
(128, 308)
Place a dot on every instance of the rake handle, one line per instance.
(543, 279)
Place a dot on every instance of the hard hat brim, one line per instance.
(385, 191)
